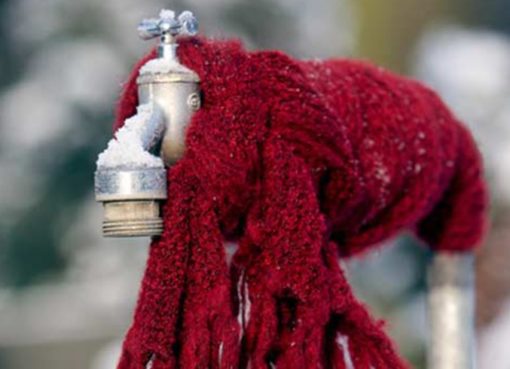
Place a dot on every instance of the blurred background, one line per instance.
(67, 294)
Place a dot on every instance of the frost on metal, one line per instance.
(166, 14)
(131, 145)
(163, 65)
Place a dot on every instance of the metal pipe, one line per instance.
(451, 309)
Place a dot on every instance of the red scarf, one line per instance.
(300, 163)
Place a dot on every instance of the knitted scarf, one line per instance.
(299, 163)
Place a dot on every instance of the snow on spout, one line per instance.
(130, 147)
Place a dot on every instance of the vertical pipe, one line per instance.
(451, 310)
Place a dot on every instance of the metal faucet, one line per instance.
(130, 179)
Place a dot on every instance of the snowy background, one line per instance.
(67, 294)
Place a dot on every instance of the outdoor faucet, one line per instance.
(130, 179)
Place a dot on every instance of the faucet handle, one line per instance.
(168, 25)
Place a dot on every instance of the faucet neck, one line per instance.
(167, 49)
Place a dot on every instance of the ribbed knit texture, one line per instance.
(300, 162)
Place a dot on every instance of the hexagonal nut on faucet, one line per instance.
(131, 200)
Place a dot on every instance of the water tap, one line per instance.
(130, 179)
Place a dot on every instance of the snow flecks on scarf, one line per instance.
(300, 163)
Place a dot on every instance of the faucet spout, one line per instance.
(133, 143)
(130, 180)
